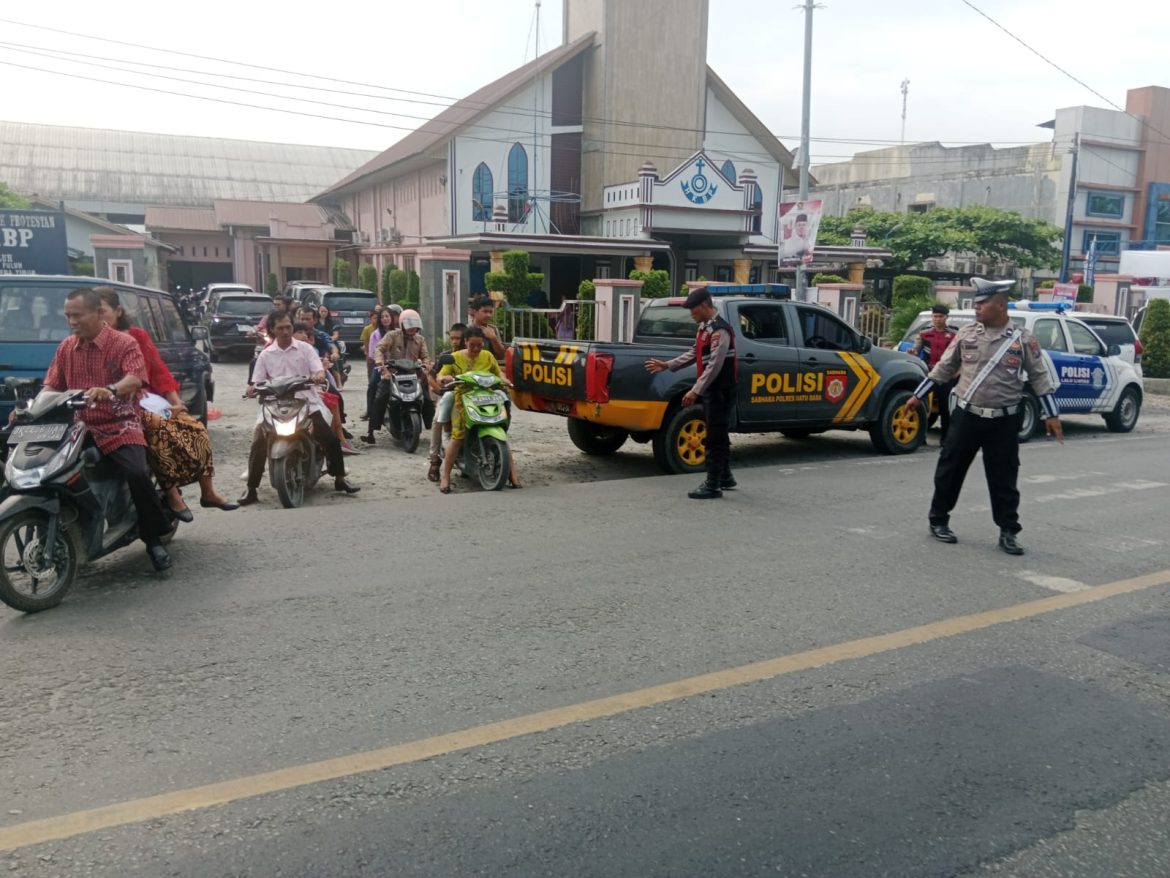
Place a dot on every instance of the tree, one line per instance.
(982, 232)
(655, 283)
(368, 277)
(342, 272)
(9, 198)
(515, 281)
(386, 291)
(1156, 340)
(271, 284)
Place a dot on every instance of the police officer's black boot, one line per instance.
(705, 491)
(727, 481)
(1007, 542)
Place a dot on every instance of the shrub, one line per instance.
(386, 290)
(368, 277)
(819, 279)
(1047, 284)
(909, 287)
(271, 284)
(398, 283)
(515, 281)
(1084, 293)
(905, 313)
(342, 273)
(1156, 340)
(655, 283)
(586, 292)
(413, 293)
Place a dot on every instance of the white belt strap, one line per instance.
(992, 363)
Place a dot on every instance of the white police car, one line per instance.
(1091, 377)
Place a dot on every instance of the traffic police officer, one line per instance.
(714, 359)
(989, 357)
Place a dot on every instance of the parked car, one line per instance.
(349, 308)
(216, 288)
(231, 320)
(1116, 331)
(296, 289)
(32, 324)
(1092, 376)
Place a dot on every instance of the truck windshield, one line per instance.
(666, 321)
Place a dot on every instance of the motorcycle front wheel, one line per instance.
(494, 463)
(288, 477)
(28, 581)
(411, 431)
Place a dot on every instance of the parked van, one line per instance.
(32, 324)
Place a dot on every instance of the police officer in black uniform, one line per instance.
(714, 359)
(990, 358)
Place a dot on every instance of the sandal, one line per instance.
(433, 470)
(512, 483)
(445, 489)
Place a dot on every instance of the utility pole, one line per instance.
(1068, 213)
(805, 115)
(905, 93)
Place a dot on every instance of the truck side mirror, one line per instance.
(865, 345)
(199, 333)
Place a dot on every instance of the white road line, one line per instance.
(1100, 490)
(1043, 478)
(1052, 583)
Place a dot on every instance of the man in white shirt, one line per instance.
(289, 358)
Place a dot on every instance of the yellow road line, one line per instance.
(195, 798)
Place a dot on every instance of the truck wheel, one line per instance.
(1125, 417)
(897, 432)
(680, 445)
(1029, 417)
(596, 438)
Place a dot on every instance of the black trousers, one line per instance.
(717, 405)
(999, 440)
(322, 432)
(152, 521)
(943, 394)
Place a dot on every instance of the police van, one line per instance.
(1091, 377)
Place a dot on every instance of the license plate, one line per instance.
(37, 433)
(244, 328)
(352, 321)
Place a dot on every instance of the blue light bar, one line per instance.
(774, 291)
(1058, 307)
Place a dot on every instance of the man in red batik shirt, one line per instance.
(934, 343)
(109, 367)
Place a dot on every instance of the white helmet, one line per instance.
(396, 309)
(410, 319)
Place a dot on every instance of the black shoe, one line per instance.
(184, 515)
(705, 492)
(1007, 542)
(159, 557)
(943, 533)
(727, 483)
(249, 498)
(364, 417)
(368, 438)
(346, 433)
(341, 484)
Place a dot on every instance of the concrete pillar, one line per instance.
(856, 272)
(741, 270)
(497, 259)
(643, 263)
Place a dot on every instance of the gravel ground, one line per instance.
(544, 454)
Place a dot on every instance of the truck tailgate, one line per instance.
(558, 370)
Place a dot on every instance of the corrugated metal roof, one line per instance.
(461, 113)
(186, 219)
(94, 164)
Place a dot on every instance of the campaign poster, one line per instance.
(799, 222)
(32, 242)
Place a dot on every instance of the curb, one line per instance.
(1159, 386)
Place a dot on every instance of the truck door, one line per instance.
(768, 367)
(836, 380)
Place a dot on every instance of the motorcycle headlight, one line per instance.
(22, 479)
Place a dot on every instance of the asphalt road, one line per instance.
(607, 679)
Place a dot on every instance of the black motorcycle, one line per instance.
(404, 405)
(66, 505)
(295, 460)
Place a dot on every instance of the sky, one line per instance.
(969, 81)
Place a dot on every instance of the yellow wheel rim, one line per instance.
(905, 426)
(690, 445)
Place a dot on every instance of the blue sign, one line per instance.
(33, 242)
(699, 189)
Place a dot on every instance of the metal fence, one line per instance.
(874, 321)
(575, 319)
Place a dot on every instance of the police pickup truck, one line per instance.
(801, 370)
